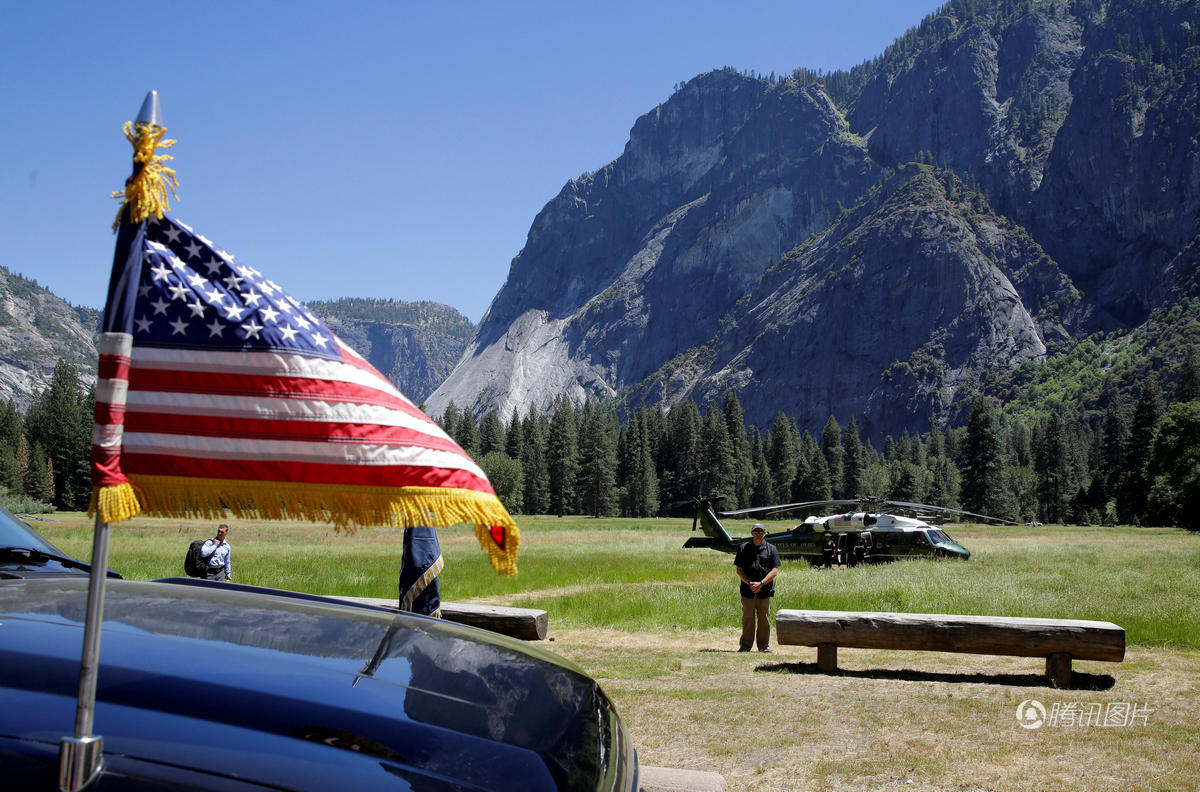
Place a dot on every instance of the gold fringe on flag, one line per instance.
(347, 507)
(145, 190)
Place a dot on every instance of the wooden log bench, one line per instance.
(1058, 640)
(528, 624)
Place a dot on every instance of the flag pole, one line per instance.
(80, 757)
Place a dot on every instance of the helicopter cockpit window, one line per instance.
(939, 537)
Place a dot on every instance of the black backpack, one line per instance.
(195, 564)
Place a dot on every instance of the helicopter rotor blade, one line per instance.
(784, 507)
(948, 511)
(865, 504)
(696, 501)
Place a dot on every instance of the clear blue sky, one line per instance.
(362, 149)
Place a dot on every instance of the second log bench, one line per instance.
(1057, 640)
(528, 624)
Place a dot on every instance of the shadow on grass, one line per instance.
(1079, 680)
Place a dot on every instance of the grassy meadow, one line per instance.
(657, 625)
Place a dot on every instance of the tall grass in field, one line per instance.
(634, 574)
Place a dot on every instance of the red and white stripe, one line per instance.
(265, 416)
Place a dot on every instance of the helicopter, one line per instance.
(868, 535)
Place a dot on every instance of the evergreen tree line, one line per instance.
(45, 454)
(1139, 465)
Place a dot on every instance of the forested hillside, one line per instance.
(1139, 464)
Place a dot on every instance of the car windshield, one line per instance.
(15, 533)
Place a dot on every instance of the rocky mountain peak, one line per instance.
(715, 251)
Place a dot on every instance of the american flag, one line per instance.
(219, 390)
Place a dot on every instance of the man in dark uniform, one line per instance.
(757, 562)
(828, 550)
(860, 548)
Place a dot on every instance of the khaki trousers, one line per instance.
(756, 611)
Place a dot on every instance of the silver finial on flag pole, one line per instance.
(150, 113)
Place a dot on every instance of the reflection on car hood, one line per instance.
(33, 562)
(248, 674)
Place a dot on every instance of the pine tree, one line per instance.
(449, 419)
(50, 486)
(983, 462)
(491, 434)
(562, 457)
(908, 481)
(641, 486)
(944, 484)
(1187, 388)
(718, 463)
(735, 423)
(935, 442)
(34, 483)
(763, 486)
(596, 487)
(656, 433)
(1131, 501)
(1051, 462)
(853, 464)
(1173, 468)
(782, 454)
(11, 434)
(466, 433)
(805, 475)
(820, 485)
(835, 455)
(681, 454)
(22, 465)
(1020, 444)
(535, 433)
(1114, 438)
(514, 436)
(58, 423)
(506, 477)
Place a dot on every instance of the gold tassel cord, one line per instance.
(115, 504)
(145, 190)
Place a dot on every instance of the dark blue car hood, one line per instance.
(303, 694)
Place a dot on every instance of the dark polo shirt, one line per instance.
(756, 562)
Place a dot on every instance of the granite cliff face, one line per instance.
(36, 329)
(889, 313)
(629, 265)
(413, 344)
(1067, 143)
(1078, 121)
(414, 359)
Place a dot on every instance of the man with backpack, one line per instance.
(217, 552)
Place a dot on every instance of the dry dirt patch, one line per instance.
(894, 720)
